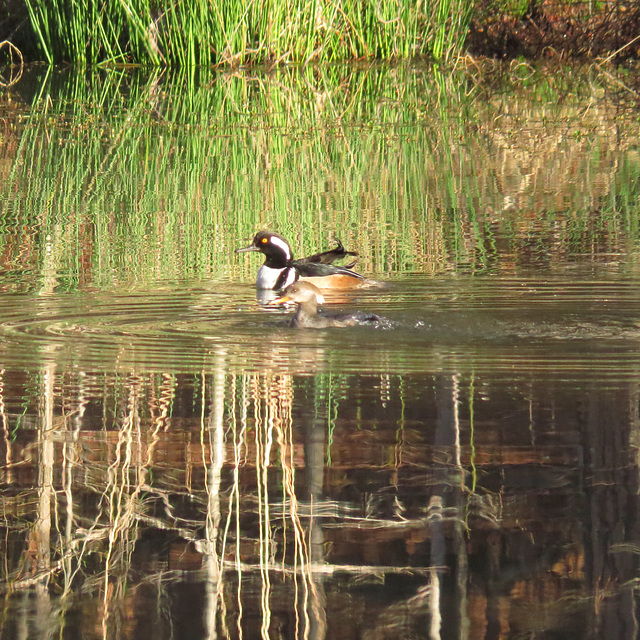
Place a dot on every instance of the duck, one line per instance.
(307, 298)
(281, 270)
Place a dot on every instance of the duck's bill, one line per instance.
(279, 301)
(245, 249)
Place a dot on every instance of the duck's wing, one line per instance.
(330, 256)
(322, 270)
(348, 319)
(358, 317)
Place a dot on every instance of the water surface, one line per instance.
(179, 463)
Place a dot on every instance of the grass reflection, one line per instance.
(135, 178)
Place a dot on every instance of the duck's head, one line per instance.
(270, 244)
(301, 292)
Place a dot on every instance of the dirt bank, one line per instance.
(549, 28)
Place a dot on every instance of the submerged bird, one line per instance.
(280, 269)
(307, 298)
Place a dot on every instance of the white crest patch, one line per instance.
(283, 245)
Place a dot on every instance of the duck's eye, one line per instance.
(265, 240)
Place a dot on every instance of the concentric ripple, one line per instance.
(558, 325)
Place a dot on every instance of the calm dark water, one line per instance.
(179, 463)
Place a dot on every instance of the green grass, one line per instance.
(205, 32)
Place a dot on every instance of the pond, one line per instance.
(178, 462)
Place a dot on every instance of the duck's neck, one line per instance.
(306, 312)
(308, 307)
(276, 261)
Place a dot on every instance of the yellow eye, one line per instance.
(265, 240)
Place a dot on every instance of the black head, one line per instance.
(272, 245)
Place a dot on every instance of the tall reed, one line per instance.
(192, 32)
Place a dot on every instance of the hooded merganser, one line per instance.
(307, 298)
(280, 269)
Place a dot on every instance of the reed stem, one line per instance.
(205, 32)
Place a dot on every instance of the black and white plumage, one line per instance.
(280, 269)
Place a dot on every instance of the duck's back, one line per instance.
(325, 320)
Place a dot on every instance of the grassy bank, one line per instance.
(195, 32)
(199, 32)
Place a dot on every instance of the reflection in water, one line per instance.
(446, 498)
(442, 505)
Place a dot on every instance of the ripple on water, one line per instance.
(496, 324)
